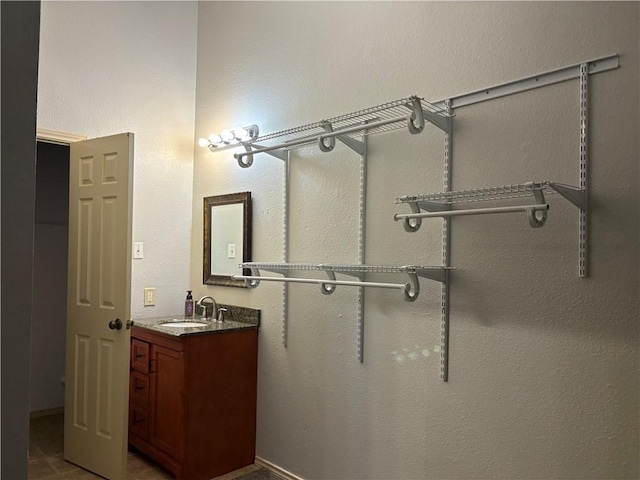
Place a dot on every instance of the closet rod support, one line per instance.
(326, 147)
(415, 123)
(327, 288)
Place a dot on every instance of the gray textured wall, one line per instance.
(543, 364)
(20, 34)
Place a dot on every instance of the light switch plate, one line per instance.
(149, 296)
(231, 250)
(138, 250)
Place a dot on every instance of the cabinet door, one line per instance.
(166, 429)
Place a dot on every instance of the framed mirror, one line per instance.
(227, 238)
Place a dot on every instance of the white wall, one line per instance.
(112, 67)
(543, 364)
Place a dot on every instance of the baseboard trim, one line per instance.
(281, 472)
(46, 413)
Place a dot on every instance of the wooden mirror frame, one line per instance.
(225, 280)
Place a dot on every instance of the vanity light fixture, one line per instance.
(228, 138)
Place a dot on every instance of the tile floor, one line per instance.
(46, 442)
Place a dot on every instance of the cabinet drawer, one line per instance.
(139, 356)
(139, 388)
(139, 421)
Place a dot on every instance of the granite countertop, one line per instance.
(236, 318)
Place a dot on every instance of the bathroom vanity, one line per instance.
(192, 397)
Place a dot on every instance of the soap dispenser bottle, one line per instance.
(188, 305)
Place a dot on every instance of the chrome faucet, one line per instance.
(207, 309)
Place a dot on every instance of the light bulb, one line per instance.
(241, 134)
(227, 136)
(215, 139)
(203, 142)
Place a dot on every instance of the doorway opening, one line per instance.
(49, 299)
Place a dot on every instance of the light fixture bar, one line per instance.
(230, 138)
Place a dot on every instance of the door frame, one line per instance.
(54, 137)
(57, 137)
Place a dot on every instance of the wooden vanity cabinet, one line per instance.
(192, 400)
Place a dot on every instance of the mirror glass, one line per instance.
(227, 238)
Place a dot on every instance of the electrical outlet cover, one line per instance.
(149, 296)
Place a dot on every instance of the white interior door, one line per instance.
(99, 294)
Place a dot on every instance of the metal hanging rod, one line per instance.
(258, 278)
(475, 211)
(411, 290)
(438, 204)
(411, 112)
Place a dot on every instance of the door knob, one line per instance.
(115, 324)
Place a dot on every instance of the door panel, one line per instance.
(108, 252)
(81, 383)
(83, 260)
(104, 397)
(99, 284)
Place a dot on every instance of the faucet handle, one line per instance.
(220, 315)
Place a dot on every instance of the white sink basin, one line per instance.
(183, 324)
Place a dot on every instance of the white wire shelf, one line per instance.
(481, 194)
(411, 112)
(411, 290)
(439, 204)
